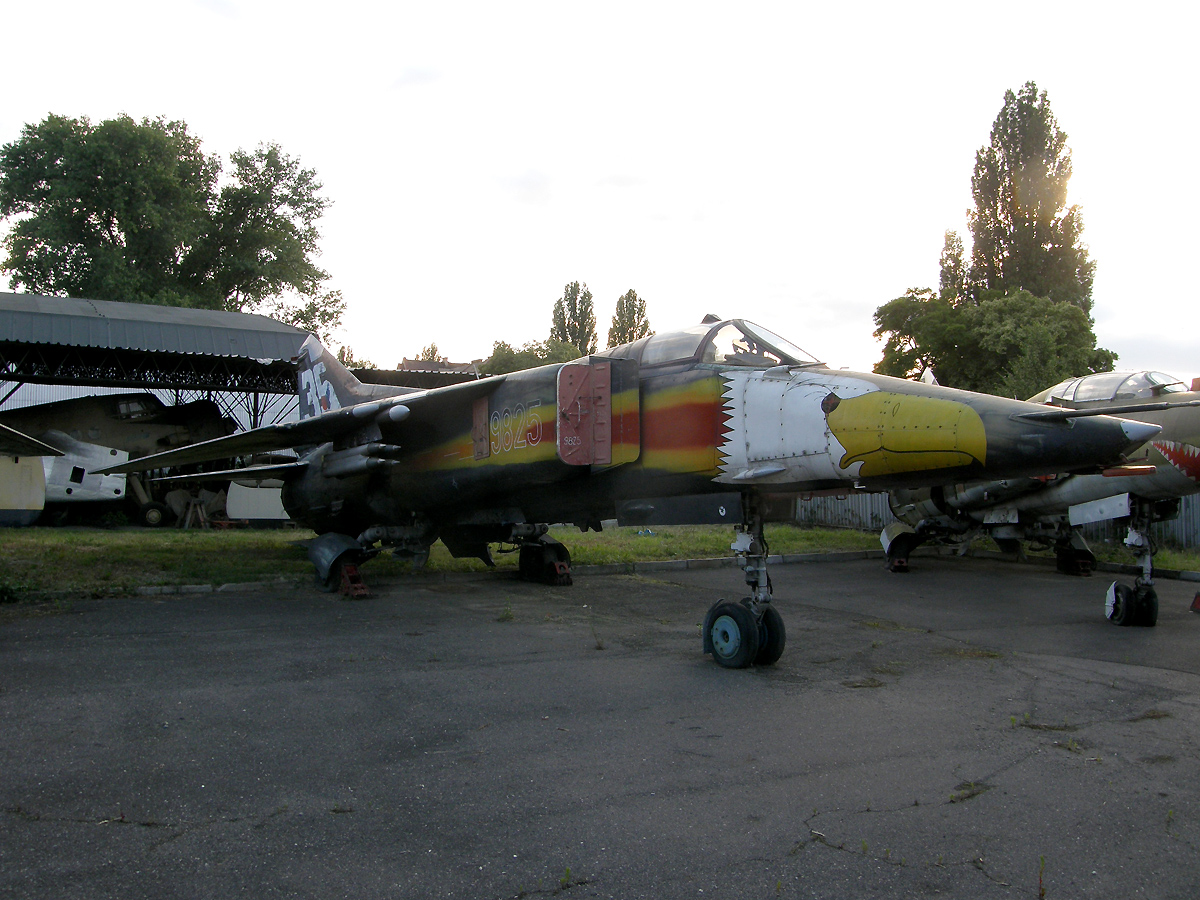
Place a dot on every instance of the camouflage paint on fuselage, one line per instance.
(683, 423)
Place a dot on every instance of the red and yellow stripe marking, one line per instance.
(682, 427)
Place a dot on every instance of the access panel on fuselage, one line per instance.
(598, 413)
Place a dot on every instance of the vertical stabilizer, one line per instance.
(324, 384)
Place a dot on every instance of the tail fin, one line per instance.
(324, 384)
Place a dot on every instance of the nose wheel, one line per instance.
(737, 636)
(1137, 605)
(731, 635)
(750, 632)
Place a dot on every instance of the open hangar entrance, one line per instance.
(56, 349)
(151, 361)
(239, 360)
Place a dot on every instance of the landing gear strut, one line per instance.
(336, 558)
(546, 560)
(1072, 556)
(1137, 605)
(750, 632)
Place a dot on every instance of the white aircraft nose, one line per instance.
(1139, 432)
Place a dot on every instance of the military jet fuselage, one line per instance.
(716, 410)
(691, 426)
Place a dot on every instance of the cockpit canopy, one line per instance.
(1109, 387)
(734, 342)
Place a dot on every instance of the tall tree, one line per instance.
(1024, 235)
(104, 211)
(262, 237)
(131, 211)
(1018, 316)
(574, 318)
(953, 285)
(629, 322)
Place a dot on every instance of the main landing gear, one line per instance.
(545, 560)
(750, 632)
(542, 559)
(336, 558)
(1072, 556)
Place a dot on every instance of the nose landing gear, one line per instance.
(750, 632)
(1137, 605)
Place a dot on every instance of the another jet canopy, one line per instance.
(735, 342)
(1109, 387)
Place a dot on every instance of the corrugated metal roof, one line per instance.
(67, 321)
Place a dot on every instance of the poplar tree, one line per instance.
(574, 319)
(629, 321)
(1024, 236)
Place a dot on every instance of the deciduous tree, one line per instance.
(346, 357)
(953, 281)
(430, 353)
(506, 359)
(1012, 345)
(1016, 318)
(137, 212)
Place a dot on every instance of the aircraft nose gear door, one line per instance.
(598, 413)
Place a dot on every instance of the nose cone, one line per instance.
(1138, 432)
(1066, 443)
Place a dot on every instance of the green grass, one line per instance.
(1116, 552)
(114, 562)
(104, 562)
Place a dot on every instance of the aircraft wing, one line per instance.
(17, 443)
(309, 432)
(247, 473)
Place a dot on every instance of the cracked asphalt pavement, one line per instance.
(970, 729)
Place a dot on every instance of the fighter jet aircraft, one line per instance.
(1050, 511)
(693, 426)
(77, 436)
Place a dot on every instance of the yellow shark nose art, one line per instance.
(893, 433)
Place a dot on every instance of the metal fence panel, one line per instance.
(870, 512)
(866, 512)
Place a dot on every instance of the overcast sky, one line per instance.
(788, 163)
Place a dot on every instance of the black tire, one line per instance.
(734, 635)
(771, 637)
(153, 515)
(1122, 608)
(332, 582)
(545, 560)
(1147, 606)
(706, 632)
